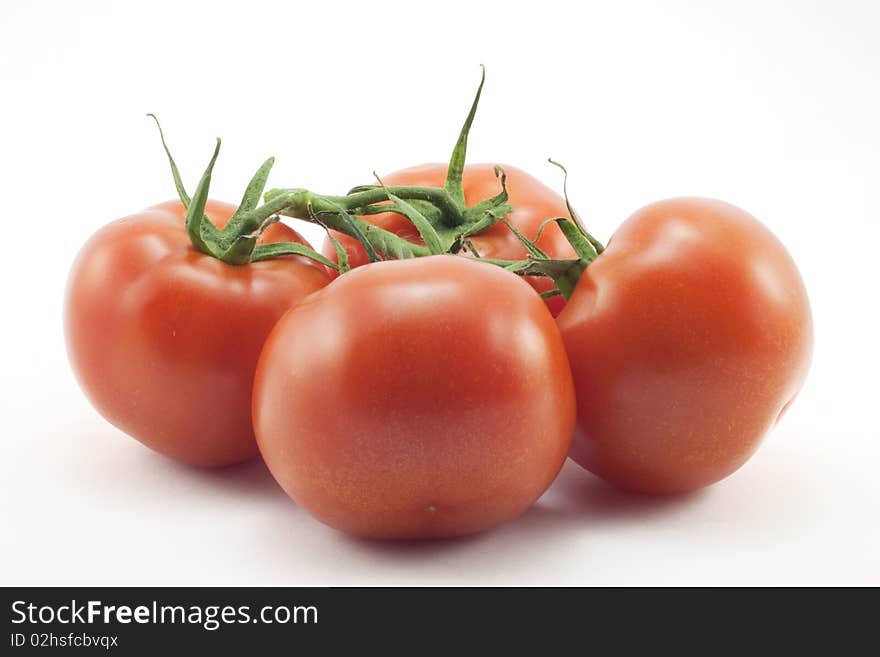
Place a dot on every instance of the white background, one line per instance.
(772, 106)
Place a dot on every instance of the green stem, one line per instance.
(569, 279)
(303, 204)
(175, 173)
(564, 273)
(451, 213)
(364, 200)
(459, 153)
(196, 221)
(598, 247)
(440, 214)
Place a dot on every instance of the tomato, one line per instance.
(688, 338)
(415, 398)
(164, 340)
(532, 202)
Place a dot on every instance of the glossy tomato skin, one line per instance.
(688, 338)
(415, 399)
(164, 340)
(532, 201)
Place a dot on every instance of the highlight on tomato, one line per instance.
(417, 398)
(166, 311)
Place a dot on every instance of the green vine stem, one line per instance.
(340, 214)
(237, 242)
(440, 214)
(565, 272)
(597, 245)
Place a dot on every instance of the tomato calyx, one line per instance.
(565, 273)
(442, 218)
(237, 242)
(441, 215)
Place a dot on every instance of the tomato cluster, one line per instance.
(397, 389)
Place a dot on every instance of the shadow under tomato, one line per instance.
(249, 479)
(580, 496)
(579, 502)
(576, 500)
(417, 547)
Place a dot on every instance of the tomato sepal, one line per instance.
(440, 214)
(238, 242)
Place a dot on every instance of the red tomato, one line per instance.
(164, 340)
(415, 398)
(532, 202)
(688, 338)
